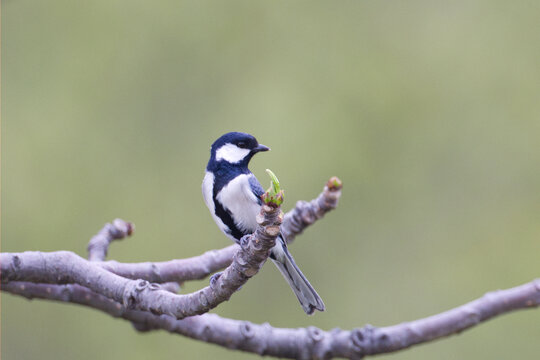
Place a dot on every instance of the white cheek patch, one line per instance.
(231, 153)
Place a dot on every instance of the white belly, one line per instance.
(237, 198)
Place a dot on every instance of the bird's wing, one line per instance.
(256, 188)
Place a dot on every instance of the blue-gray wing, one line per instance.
(256, 188)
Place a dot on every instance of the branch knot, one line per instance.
(214, 280)
(246, 329)
(131, 292)
(315, 333)
(362, 339)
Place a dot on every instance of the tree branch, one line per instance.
(300, 343)
(65, 267)
(178, 270)
(306, 213)
(294, 223)
(99, 244)
(152, 306)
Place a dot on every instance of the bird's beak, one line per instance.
(261, 147)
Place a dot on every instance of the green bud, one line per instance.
(334, 183)
(274, 195)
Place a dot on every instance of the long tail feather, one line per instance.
(308, 297)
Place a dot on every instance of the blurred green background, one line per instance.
(429, 111)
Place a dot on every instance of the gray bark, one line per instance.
(123, 290)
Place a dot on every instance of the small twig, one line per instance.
(118, 230)
(97, 252)
(301, 343)
(306, 213)
(99, 244)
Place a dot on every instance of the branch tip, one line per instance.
(99, 244)
(334, 183)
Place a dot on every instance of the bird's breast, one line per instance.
(238, 198)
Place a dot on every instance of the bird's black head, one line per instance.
(235, 148)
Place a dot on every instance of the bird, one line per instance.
(232, 193)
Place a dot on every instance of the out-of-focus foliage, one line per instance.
(429, 111)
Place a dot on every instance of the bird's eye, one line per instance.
(242, 145)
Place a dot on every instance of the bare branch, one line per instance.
(300, 343)
(97, 252)
(199, 267)
(99, 244)
(306, 213)
(65, 267)
(179, 270)
(119, 229)
(151, 306)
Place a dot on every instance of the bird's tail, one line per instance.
(308, 297)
